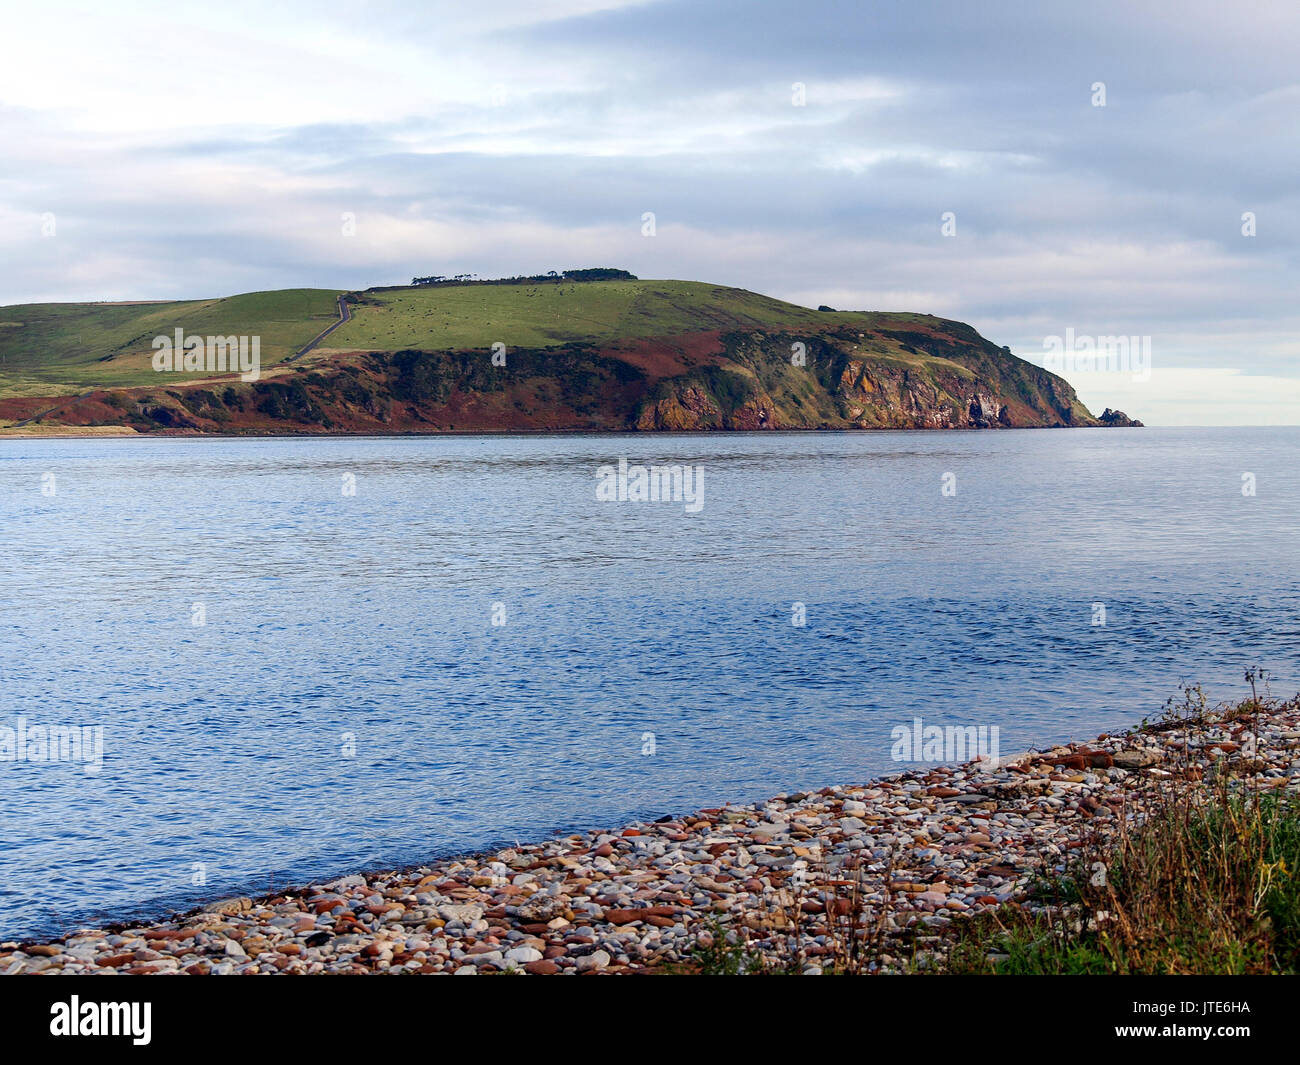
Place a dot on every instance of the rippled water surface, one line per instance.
(335, 621)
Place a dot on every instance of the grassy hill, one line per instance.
(51, 348)
(535, 316)
(623, 354)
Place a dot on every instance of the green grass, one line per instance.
(1209, 886)
(52, 347)
(48, 349)
(539, 316)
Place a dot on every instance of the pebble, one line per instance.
(953, 841)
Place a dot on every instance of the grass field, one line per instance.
(624, 354)
(70, 347)
(52, 348)
(535, 316)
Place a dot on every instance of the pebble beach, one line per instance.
(922, 849)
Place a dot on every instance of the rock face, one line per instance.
(1118, 418)
(908, 372)
(941, 375)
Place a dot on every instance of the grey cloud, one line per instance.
(1117, 219)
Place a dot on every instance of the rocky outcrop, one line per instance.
(1118, 418)
(853, 380)
(690, 409)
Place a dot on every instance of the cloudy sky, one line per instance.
(809, 150)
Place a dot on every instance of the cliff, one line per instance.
(596, 356)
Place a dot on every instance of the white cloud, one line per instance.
(194, 148)
(1194, 396)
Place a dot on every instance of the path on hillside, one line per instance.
(42, 414)
(344, 315)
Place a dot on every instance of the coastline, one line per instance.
(924, 849)
(64, 432)
(123, 432)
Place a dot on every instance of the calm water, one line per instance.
(365, 620)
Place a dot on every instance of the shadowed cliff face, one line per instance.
(927, 374)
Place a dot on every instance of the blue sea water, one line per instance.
(348, 702)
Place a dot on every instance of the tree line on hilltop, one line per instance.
(594, 273)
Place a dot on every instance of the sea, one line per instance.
(232, 665)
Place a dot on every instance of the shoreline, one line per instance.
(926, 847)
(125, 432)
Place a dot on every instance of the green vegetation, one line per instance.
(594, 273)
(592, 354)
(441, 317)
(1209, 884)
(1206, 881)
(719, 952)
(49, 348)
(70, 347)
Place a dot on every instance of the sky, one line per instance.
(1037, 170)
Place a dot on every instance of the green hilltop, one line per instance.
(596, 354)
(49, 348)
(476, 316)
